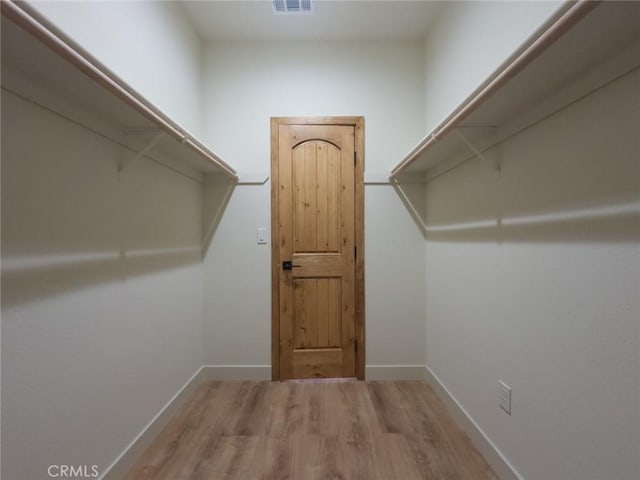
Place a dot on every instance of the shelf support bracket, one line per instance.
(474, 149)
(131, 160)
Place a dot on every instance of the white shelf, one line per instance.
(40, 55)
(530, 84)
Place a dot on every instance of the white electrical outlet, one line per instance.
(505, 397)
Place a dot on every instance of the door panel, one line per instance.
(316, 232)
(316, 183)
(318, 323)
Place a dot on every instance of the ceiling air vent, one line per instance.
(292, 6)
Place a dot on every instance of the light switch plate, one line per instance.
(262, 236)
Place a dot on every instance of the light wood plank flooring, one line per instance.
(312, 430)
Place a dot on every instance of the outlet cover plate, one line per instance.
(505, 397)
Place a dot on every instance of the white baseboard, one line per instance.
(501, 466)
(121, 466)
(237, 372)
(127, 459)
(394, 372)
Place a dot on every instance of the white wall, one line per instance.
(548, 300)
(246, 84)
(149, 44)
(468, 42)
(545, 296)
(101, 293)
(87, 257)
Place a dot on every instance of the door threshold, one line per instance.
(322, 380)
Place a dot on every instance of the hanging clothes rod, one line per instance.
(98, 133)
(32, 22)
(570, 14)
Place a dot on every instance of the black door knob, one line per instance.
(288, 265)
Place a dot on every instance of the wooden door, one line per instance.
(315, 206)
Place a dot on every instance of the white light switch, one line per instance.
(262, 236)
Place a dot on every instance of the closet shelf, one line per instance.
(44, 55)
(528, 85)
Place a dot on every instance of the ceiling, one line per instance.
(331, 19)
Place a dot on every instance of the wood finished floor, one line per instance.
(305, 431)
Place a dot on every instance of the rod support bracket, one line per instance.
(475, 150)
(129, 160)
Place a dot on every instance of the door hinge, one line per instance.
(356, 345)
(355, 157)
(355, 252)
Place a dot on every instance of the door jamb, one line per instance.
(358, 124)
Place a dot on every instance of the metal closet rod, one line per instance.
(97, 132)
(570, 14)
(31, 21)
